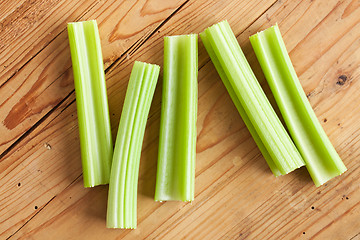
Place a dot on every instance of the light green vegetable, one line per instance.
(250, 100)
(91, 100)
(322, 161)
(175, 178)
(240, 109)
(122, 200)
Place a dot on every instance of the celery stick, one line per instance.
(237, 76)
(177, 143)
(321, 159)
(122, 200)
(91, 100)
(240, 109)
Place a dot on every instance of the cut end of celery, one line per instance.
(95, 184)
(171, 198)
(216, 24)
(163, 194)
(82, 22)
(120, 227)
(191, 35)
(278, 173)
(321, 180)
(144, 64)
(174, 200)
(272, 28)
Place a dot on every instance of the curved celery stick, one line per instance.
(252, 98)
(322, 161)
(91, 100)
(237, 103)
(122, 200)
(175, 177)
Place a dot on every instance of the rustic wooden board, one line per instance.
(41, 192)
(44, 82)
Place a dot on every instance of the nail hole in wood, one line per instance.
(36, 207)
(341, 80)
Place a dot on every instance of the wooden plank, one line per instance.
(236, 195)
(47, 79)
(30, 27)
(25, 155)
(9, 6)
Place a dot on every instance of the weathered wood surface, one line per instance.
(41, 192)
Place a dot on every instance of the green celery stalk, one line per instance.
(264, 125)
(122, 200)
(92, 104)
(322, 161)
(175, 177)
(239, 107)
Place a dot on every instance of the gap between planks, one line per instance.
(47, 44)
(132, 49)
(32, 217)
(42, 208)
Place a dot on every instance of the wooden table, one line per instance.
(237, 197)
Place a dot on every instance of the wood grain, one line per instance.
(237, 197)
(46, 80)
(8, 6)
(30, 27)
